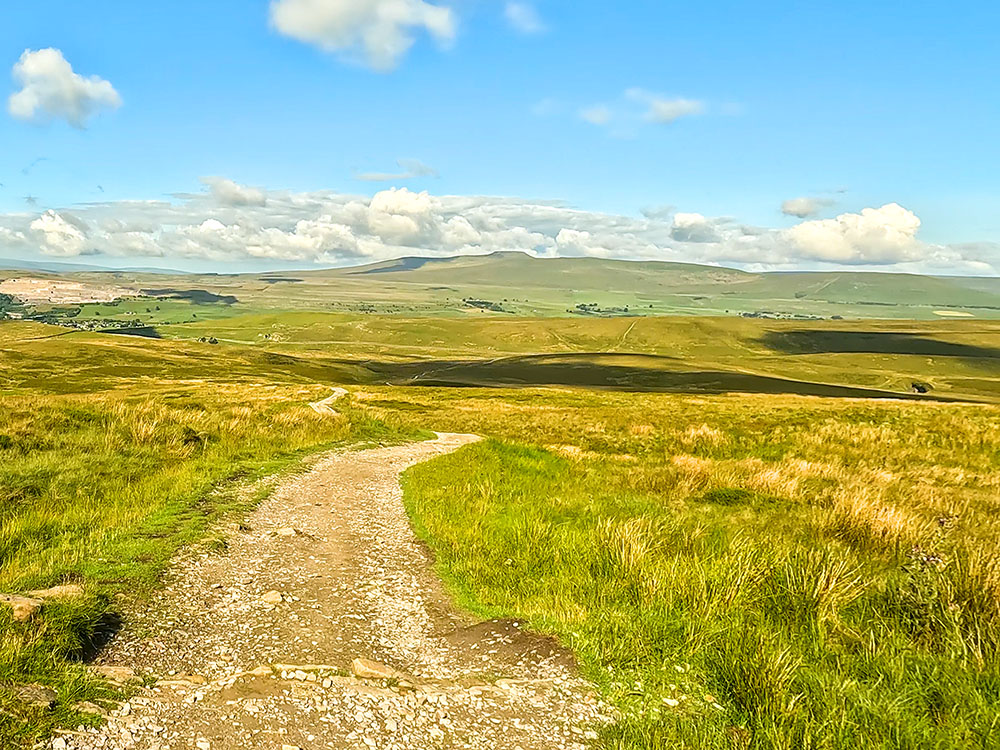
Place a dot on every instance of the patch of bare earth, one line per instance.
(257, 647)
(61, 292)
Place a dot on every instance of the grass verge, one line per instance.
(102, 490)
(734, 573)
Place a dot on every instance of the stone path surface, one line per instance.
(322, 625)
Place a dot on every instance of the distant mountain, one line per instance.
(520, 271)
(8, 264)
(519, 284)
(47, 266)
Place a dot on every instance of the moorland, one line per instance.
(760, 509)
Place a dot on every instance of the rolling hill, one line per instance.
(519, 284)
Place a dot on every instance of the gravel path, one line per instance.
(258, 646)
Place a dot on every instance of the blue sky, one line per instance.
(851, 105)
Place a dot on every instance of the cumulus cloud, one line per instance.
(876, 235)
(377, 33)
(523, 17)
(230, 193)
(409, 169)
(326, 228)
(60, 234)
(50, 89)
(401, 217)
(804, 208)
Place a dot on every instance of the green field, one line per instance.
(760, 512)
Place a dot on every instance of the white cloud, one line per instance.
(596, 115)
(60, 234)
(229, 193)
(328, 229)
(638, 108)
(51, 90)
(401, 217)
(876, 235)
(804, 208)
(665, 110)
(377, 33)
(523, 17)
(10, 237)
(411, 169)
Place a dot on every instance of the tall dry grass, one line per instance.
(824, 571)
(102, 489)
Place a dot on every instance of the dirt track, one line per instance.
(253, 647)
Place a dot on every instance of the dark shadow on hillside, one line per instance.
(871, 342)
(144, 332)
(197, 296)
(609, 373)
(401, 264)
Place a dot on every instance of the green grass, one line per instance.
(734, 572)
(148, 311)
(775, 553)
(102, 489)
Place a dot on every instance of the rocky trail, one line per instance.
(322, 625)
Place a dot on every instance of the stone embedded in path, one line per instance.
(91, 709)
(289, 531)
(272, 597)
(366, 669)
(183, 679)
(120, 675)
(24, 608)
